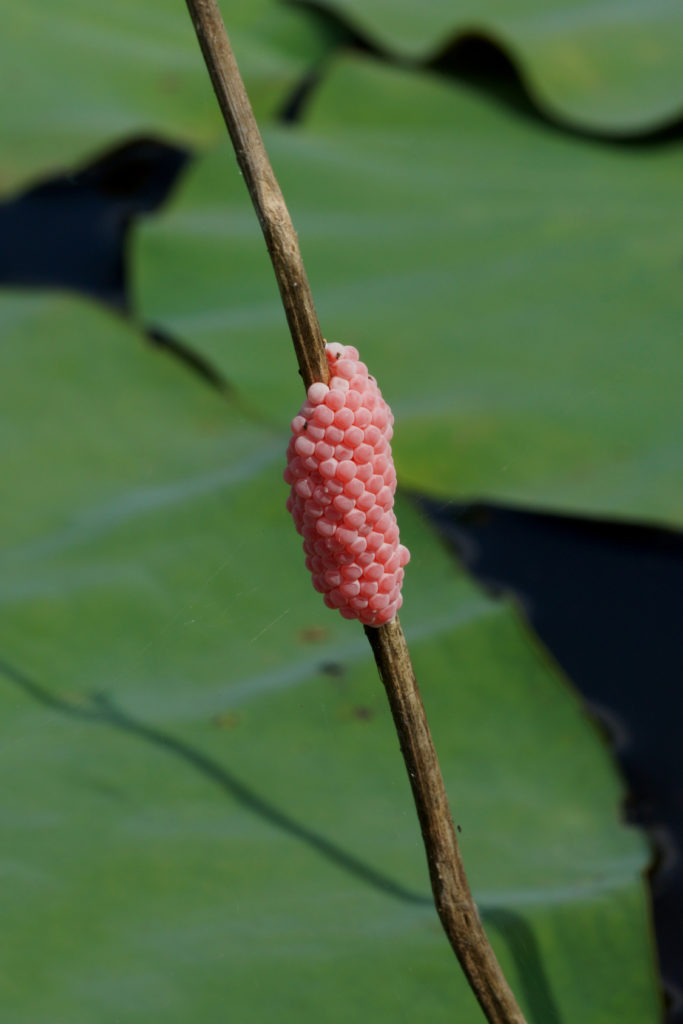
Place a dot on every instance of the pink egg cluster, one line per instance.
(343, 482)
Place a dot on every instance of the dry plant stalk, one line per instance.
(452, 896)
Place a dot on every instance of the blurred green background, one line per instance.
(205, 811)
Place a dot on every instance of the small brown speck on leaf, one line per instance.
(363, 714)
(225, 720)
(332, 668)
(313, 634)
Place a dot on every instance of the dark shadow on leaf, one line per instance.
(99, 709)
(193, 360)
(521, 942)
(293, 109)
(605, 598)
(70, 231)
(481, 61)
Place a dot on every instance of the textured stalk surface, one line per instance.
(452, 896)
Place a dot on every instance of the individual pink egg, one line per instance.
(324, 527)
(345, 368)
(372, 435)
(353, 437)
(386, 584)
(354, 519)
(323, 416)
(385, 498)
(391, 534)
(354, 488)
(346, 537)
(323, 451)
(335, 401)
(374, 541)
(350, 589)
(393, 564)
(321, 496)
(344, 503)
(346, 470)
(353, 400)
(383, 554)
(303, 488)
(343, 419)
(357, 549)
(363, 453)
(317, 393)
(334, 435)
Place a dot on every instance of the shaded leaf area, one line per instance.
(604, 598)
(206, 784)
(481, 62)
(604, 67)
(520, 292)
(99, 709)
(71, 230)
(83, 74)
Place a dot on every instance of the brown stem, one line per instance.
(452, 895)
(264, 189)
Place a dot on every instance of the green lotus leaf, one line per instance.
(516, 292)
(80, 75)
(203, 788)
(607, 67)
